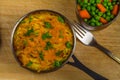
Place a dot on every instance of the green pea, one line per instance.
(108, 18)
(109, 3)
(92, 13)
(108, 13)
(97, 17)
(88, 8)
(104, 15)
(107, 8)
(85, 5)
(93, 8)
(85, 20)
(100, 13)
(88, 4)
(111, 7)
(85, 1)
(104, 3)
(96, 11)
(92, 1)
(98, 23)
(94, 5)
(98, 1)
(106, 0)
(111, 16)
(92, 24)
(93, 20)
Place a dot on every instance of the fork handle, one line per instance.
(107, 52)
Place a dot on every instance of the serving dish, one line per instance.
(97, 15)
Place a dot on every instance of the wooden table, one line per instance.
(12, 10)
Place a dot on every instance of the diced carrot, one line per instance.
(115, 9)
(110, 0)
(102, 20)
(101, 7)
(84, 14)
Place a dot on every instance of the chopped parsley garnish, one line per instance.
(41, 55)
(60, 19)
(58, 53)
(48, 45)
(47, 25)
(57, 63)
(29, 63)
(29, 32)
(61, 34)
(46, 35)
(30, 19)
(68, 44)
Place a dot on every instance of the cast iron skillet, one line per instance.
(51, 12)
(76, 62)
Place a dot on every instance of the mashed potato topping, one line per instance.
(43, 41)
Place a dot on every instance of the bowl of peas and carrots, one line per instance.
(97, 14)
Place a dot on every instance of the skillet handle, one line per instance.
(91, 73)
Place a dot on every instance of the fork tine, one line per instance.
(77, 32)
(79, 26)
(78, 29)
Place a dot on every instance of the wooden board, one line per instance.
(12, 10)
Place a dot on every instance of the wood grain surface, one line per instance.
(12, 10)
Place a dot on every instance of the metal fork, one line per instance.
(87, 38)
